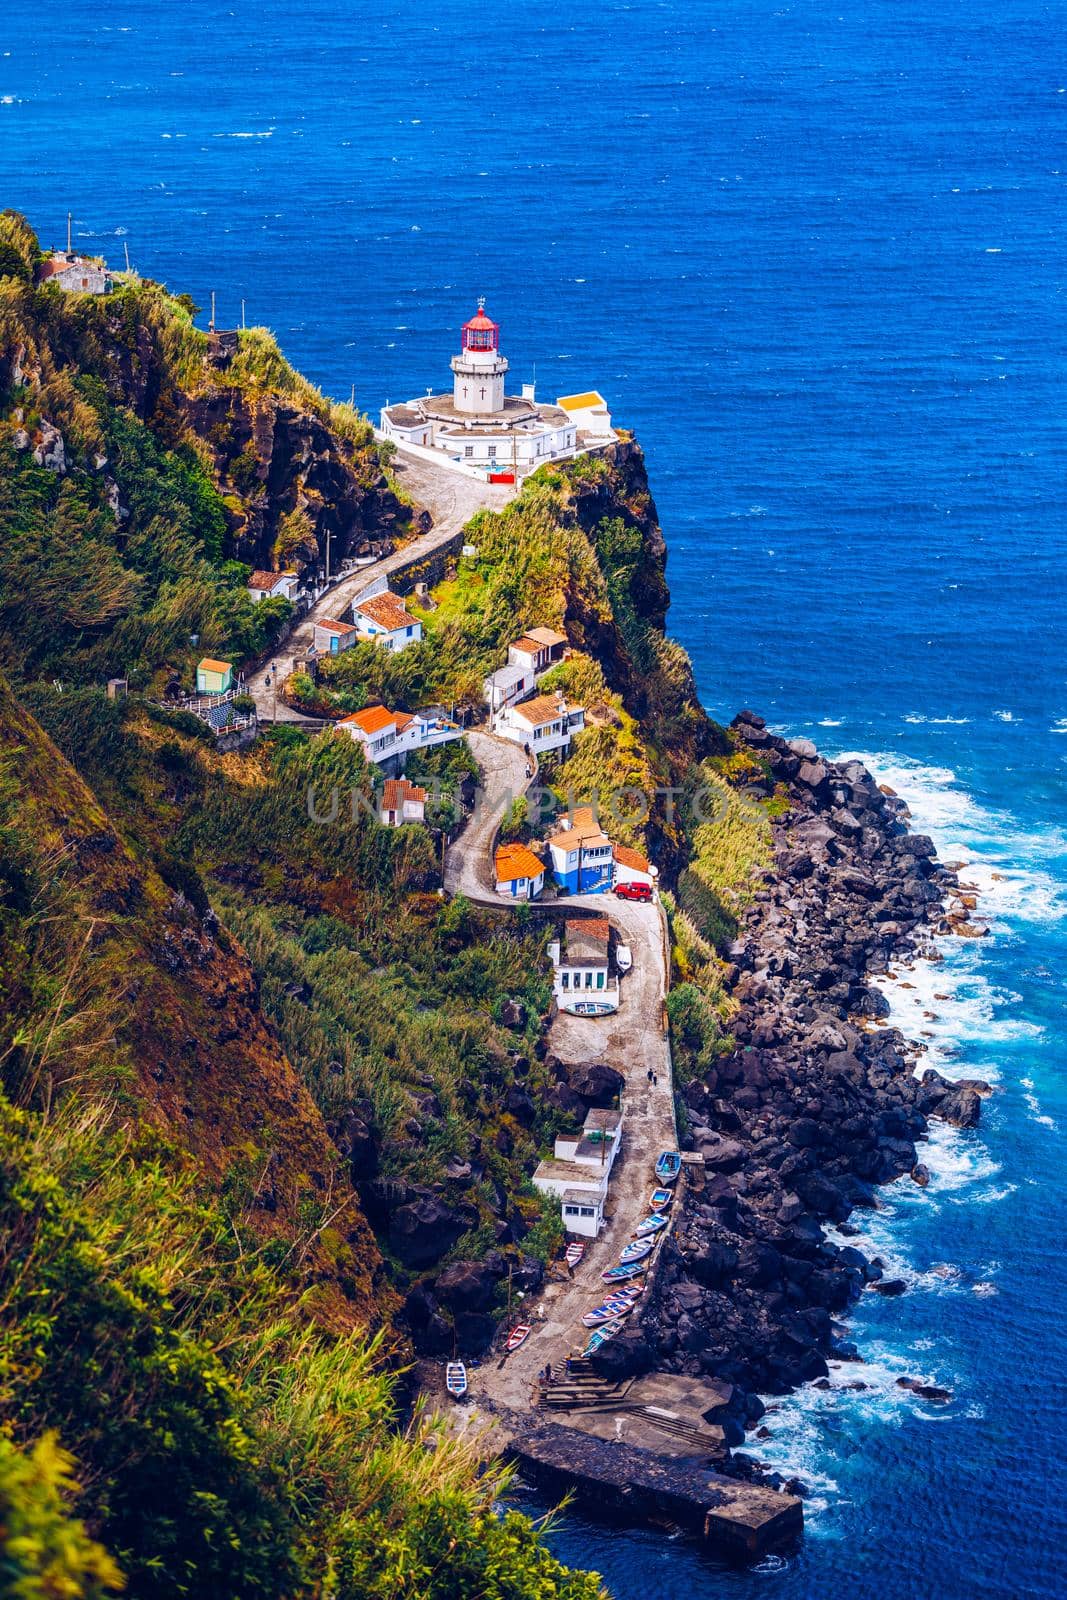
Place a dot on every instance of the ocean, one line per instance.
(813, 256)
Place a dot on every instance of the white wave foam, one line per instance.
(1033, 1105)
(815, 1431)
(1008, 865)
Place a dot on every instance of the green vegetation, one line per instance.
(113, 552)
(224, 1446)
(157, 1346)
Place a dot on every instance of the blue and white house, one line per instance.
(581, 854)
(385, 620)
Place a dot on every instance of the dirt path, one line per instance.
(451, 500)
(633, 1040)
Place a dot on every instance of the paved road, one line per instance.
(633, 1040)
(468, 862)
(451, 499)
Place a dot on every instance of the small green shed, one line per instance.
(213, 677)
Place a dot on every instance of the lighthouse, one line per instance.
(484, 433)
(478, 370)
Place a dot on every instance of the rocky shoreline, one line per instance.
(816, 1105)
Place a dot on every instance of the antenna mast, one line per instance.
(242, 314)
(70, 250)
(211, 324)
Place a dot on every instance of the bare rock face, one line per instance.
(595, 1083)
(426, 1227)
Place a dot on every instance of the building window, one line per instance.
(586, 1211)
(571, 1211)
(564, 980)
(468, 449)
(600, 980)
(409, 632)
(492, 449)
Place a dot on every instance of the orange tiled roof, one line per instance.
(396, 790)
(207, 665)
(516, 861)
(333, 626)
(372, 720)
(546, 636)
(592, 927)
(630, 858)
(387, 610)
(541, 709)
(266, 580)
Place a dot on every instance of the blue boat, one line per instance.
(668, 1166)
(623, 1274)
(601, 1336)
(636, 1250)
(652, 1224)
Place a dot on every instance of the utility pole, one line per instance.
(70, 248)
(126, 253)
(352, 398)
(327, 555)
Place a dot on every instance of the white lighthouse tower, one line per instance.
(478, 389)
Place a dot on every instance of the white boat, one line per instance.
(456, 1379)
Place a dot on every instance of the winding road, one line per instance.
(451, 498)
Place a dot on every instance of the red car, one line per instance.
(633, 891)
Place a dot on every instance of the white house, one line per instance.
(386, 620)
(582, 981)
(375, 729)
(519, 873)
(544, 723)
(76, 274)
(579, 1171)
(631, 866)
(479, 429)
(507, 685)
(401, 802)
(590, 415)
(581, 854)
(331, 636)
(537, 650)
(266, 585)
(389, 736)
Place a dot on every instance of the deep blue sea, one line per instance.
(813, 253)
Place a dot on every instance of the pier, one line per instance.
(741, 1521)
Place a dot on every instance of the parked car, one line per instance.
(623, 957)
(633, 891)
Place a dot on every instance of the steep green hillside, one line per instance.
(144, 468)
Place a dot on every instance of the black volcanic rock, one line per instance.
(813, 1108)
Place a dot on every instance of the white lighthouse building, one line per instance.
(486, 433)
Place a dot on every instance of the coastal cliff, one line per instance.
(817, 1102)
(325, 1081)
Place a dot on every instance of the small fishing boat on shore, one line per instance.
(456, 1379)
(518, 1335)
(660, 1199)
(668, 1166)
(608, 1312)
(622, 1274)
(601, 1337)
(574, 1253)
(654, 1223)
(636, 1250)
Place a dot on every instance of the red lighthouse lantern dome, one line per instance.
(481, 332)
